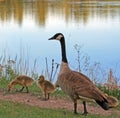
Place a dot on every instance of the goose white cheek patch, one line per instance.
(59, 37)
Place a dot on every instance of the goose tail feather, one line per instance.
(103, 104)
(112, 101)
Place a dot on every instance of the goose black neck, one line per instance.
(63, 49)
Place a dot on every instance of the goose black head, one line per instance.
(57, 36)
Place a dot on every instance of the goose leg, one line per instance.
(75, 106)
(85, 109)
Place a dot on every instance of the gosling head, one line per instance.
(9, 87)
(57, 36)
(41, 78)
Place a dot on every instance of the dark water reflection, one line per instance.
(39, 10)
(25, 26)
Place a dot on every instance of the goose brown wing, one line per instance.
(73, 82)
(84, 87)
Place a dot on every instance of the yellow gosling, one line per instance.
(22, 80)
(46, 86)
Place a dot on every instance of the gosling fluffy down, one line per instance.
(46, 86)
(22, 80)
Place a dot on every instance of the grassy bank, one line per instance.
(16, 110)
(10, 109)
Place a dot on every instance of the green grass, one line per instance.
(34, 89)
(16, 110)
(10, 109)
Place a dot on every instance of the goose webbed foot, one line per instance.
(85, 113)
(75, 113)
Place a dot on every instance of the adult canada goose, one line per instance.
(78, 85)
(22, 80)
(46, 86)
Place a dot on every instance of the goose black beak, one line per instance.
(52, 38)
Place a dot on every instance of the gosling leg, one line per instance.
(22, 89)
(45, 96)
(48, 96)
(27, 89)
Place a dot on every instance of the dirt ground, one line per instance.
(53, 103)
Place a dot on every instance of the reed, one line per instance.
(11, 66)
(20, 64)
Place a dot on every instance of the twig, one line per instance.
(47, 67)
(52, 69)
(56, 70)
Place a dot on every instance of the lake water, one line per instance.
(94, 25)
